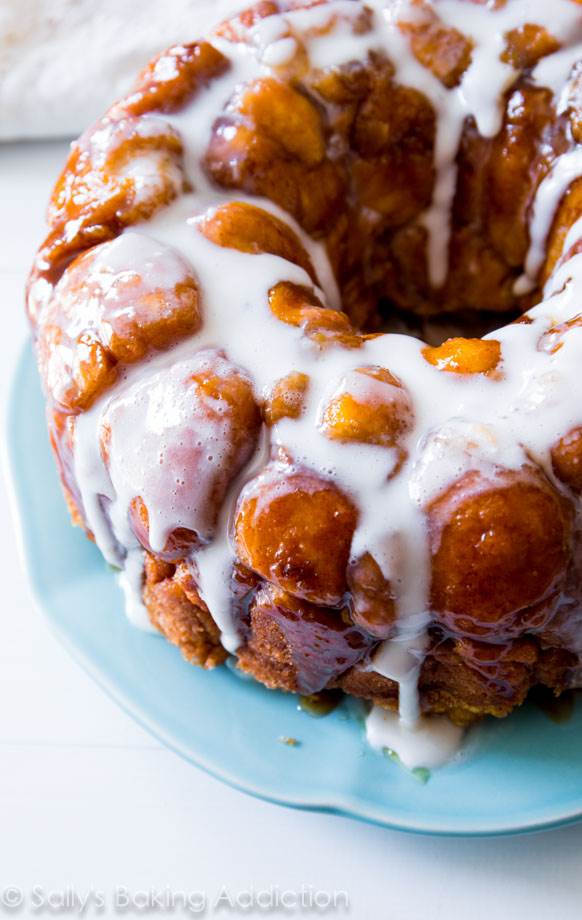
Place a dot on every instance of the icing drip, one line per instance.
(130, 582)
(459, 424)
(564, 171)
(400, 659)
(430, 743)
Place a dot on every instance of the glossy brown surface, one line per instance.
(500, 548)
(101, 319)
(372, 598)
(96, 196)
(171, 80)
(465, 356)
(371, 406)
(286, 398)
(295, 528)
(567, 459)
(246, 228)
(298, 306)
(299, 646)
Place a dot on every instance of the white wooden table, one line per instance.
(90, 803)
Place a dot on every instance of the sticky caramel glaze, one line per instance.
(337, 508)
(295, 645)
(295, 529)
(97, 194)
(467, 680)
(567, 459)
(482, 586)
(106, 314)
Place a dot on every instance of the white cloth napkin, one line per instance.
(62, 62)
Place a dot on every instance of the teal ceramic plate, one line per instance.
(522, 774)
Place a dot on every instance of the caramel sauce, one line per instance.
(559, 709)
(320, 704)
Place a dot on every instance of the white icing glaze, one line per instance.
(460, 424)
(430, 743)
(131, 582)
(564, 171)
(400, 659)
(553, 71)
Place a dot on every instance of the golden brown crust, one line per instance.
(96, 196)
(567, 459)
(295, 529)
(242, 226)
(443, 51)
(175, 608)
(298, 306)
(169, 81)
(467, 681)
(465, 356)
(371, 406)
(98, 321)
(298, 646)
(286, 398)
(500, 550)
(372, 597)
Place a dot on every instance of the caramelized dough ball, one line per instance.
(527, 45)
(178, 545)
(372, 599)
(98, 192)
(99, 172)
(499, 548)
(517, 161)
(286, 399)
(286, 116)
(370, 406)
(270, 142)
(392, 138)
(464, 356)
(298, 646)
(235, 28)
(567, 459)
(180, 465)
(295, 529)
(104, 314)
(242, 226)
(568, 212)
(298, 306)
(170, 80)
(443, 50)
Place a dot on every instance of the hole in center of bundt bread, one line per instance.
(438, 328)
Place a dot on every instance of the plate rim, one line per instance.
(343, 805)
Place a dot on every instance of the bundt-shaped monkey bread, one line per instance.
(335, 505)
